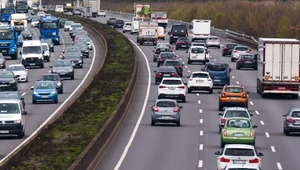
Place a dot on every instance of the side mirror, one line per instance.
(284, 115)
(251, 114)
(229, 69)
(187, 51)
(202, 69)
(20, 53)
(247, 92)
(185, 84)
(260, 154)
(254, 126)
(24, 112)
(31, 88)
(180, 107)
(150, 106)
(221, 126)
(169, 33)
(220, 114)
(51, 66)
(218, 153)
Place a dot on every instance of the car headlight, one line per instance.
(80, 61)
(70, 70)
(30, 35)
(86, 51)
(35, 93)
(54, 92)
(12, 81)
(59, 84)
(53, 33)
(19, 121)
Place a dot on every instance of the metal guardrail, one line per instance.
(228, 33)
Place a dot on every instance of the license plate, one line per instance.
(217, 80)
(175, 37)
(281, 88)
(166, 75)
(32, 64)
(238, 134)
(171, 88)
(166, 117)
(238, 162)
(3, 51)
(62, 73)
(297, 121)
(4, 131)
(194, 57)
(73, 64)
(248, 62)
(183, 45)
(199, 81)
(44, 97)
(235, 98)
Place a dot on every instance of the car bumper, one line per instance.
(213, 45)
(200, 86)
(293, 128)
(199, 37)
(227, 52)
(37, 62)
(11, 129)
(44, 98)
(239, 102)
(247, 65)
(237, 140)
(173, 118)
(22, 78)
(170, 96)
(183, 46)
(235, 56)
(161, 36)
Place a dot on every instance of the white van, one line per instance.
(59, 8)
(197, 54)
(135, 24)
(32, 53)
(161, 33)
(200, 29)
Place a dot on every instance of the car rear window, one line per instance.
(236, 113)
(234, 89)
(169, 55)
(128, 24)
(241, 48)
(248, 57)
(296, 114)
(231, 45)
(119, 21)
(171, 82)
(165, 104)
(239, 152)
(237, 123)
(242, 169)
(200, 75)
(172, 63)
(162, 50)
(217, 67)
(213, 38)
(198, 50)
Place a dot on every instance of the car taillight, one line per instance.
(251, 134)
(161, 87)
(225, 133)
(181, 87)
(159, 58)
(209, 79)
(191, 79)
(223, 121)
(174, 74)
(207, 34)
(178, 67)
(155, 109)
(173, 58)
(223, 95)
(171, 34)
(186, 34)
(176, 109)
(178, 42)
(247, 51)
(189, 42)
(235, 51)
(224, 160)
(226, 48)
(240, 60)
(244, 95)
(158, 74)
(291, 120)
(254, 161)
(195, 34)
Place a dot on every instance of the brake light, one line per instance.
(174, 74)
(247, 51)
(181, 87)
(155, 109)
(224, 160)
(209, 79)
(223, 121)
(244, 95)
(291, 120)
(223, 95)
(173, 58)
(186, 34)
(171, 34)
(235, 51)
(240, 60)
(254, 161)
(178, 42)
(158, 74)
(225, 133)
(161, 87)
(226, 48)
(189, 42)
(191, 79)
(251, 133)
(160, 58)
(178, 67)
(176, 109)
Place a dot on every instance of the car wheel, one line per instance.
(178, 123)
(123, 31)
(220, 107)
(21, 135)
(189, 62)
(56, 100)
(211, 91)
(184, 99)
(158, 65)
(33, 102)
(4, 66)
(42, 66)
(48, 60)
(232, 60)
(176, 48)
(219, 47)
(154, 60)
(238, 68)
(223, 54)
(190, 90)
(286, 132)
(152, 122)
(72, 77)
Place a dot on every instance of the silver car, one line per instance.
(237, 51)
(291, 122)
(165, 111)
(213, 41)
(233, 112)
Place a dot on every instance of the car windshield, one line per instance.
(198, 44)
(45, 47)
(200, 75)
(167, 55)
(102, 11)
(6, 34)
(69, 22)
(198, 50)
(32, 50)
(6, 75)
(172, 63)
(129, 24)
(62, 64)
(72, 55)
(217, 67)
(51, 78)
(234, 90)
(7, 11)
(112, 19)
(179, 30)
(248, 57)
(16, 68)
(159, 50)
(163, 46)
(239, 152)
(9, 108)
(231, 45)
(45, 85)
(241, 48)
(238, 123)
(9, 96)
(49, 25)
(119, 21)
(165, 104)
(172, 82)
(236, 113)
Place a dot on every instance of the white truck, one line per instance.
(278, 67)
(200, 29)
(148, 33)
(161, 18)
(135, 24)
(19, 22)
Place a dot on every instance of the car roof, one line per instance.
(166, 68)
(171, 78)
(240, 146)
(172, 60)
(198, 72)
(236, 108)
(12, 65)
(196, 47)
(50, 74)
(9, 101)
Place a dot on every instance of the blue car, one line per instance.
(219, 73)
(20, 41)
(44, 91)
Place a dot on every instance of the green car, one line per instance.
(238, 130)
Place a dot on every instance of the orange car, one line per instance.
(233, 95)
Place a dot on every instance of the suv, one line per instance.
(247, 61)
(219, 73)
(183, 42)
(127, 27)
(234, 95)
(111, 21)
(163, 56)
(158, 50)
(176, 64)
(200, 80)
(177, 30)
(12, 117)
(197, 54)
(172, 88)
(164, 71)
(291, 121)
(227, 50)
(237, 51)
(213, 41)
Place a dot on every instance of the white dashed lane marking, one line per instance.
(237, 82)
(256, 112)
(273, 149)
(279, 166)
(199, 101)
(267, 134)
(251, 103)
(23, 94)
(233, 77)
(197, 94)
(262, 122)
(201, 147)
(215, 60)
(200, 164)
(201, 121)
(200, 110)
(180, 59)
(189, 71)
(201, 133)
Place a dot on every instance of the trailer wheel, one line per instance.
(141, 42)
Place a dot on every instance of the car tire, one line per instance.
(48, 60)
(184, 99)
(123, 31)
(154, 60)
(219, 47)
(220, 107)
(152, 122)
(286, 132)
(131, 33)
(223, 54)
(255, 68)
(211, 91)
(238, 68)
(72, 77)
(189, 62)
(232, 60)
(158, 65)
(33, 102)
(220, 130)
(246, 106)
(21, 135)
(4, 66)
(190, 90)
(163, 38)
(176, 48)
(141, 43)
(42, 66)
(178, 123)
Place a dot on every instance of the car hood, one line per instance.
(43, 90)
(8, 117)
(230, 131)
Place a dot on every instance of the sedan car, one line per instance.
(64, 68)
(8, 81)
(227, 50)
(50, 44)
(176, 64)
(20, 72)
(158, 50)
(164, 45)
(84, 49)
(68, 25)
(75, 57)
(62, 22)
(111, 21)
(56, 78)
(237, 51)
(127, 27)
(291, 122)
(119, 23)
(86, 40)
(237, 130)
(183, 42)
(247, 61)
(102, 13)
(44, 91)
(165, 111)
(46, 52)
(27, 35)
(213, 41)
(164, 71)
(163, 56)
(2, 61)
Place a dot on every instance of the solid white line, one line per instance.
(251, 103)
(141, 114)
(279, 166)
(200, 110)
(201, 121)
(199, 101)
(201, 147)
(201, 133)
(56, 111)
(237, 82)
(256, 112)
(200, 164)
(233, 77)
(273, 149)
(189, 71)
(262, 122)
(23, 94)
(267, 134)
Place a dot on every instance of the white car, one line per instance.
(34, 22)
(46, 52)
(20, 72)
(102, 13)
(68, 25)
(41, 14)
(88, 42)
(237, 51)
(75, 26)
(238, 154)
(127, 27)
(59, 8)
(213, 41)
(200, 80)
(197, 54)
(242, 167)
(172, 88)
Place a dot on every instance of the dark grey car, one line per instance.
(27, 35)
(72, 49)
(12, 95)
(49, 42)
(163, 56)
(247, 61)
(75, 57)
(63, 68)
(111, 21)
(291, 122)
(84, 49)
(8, 81)
(165, 111)
(158, 50)
(119, 23)
(164, 71)
(56, 78)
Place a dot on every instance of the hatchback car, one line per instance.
(8, 81)
(247, 61)
(200, 80)
(62, 22)
(172, 88)
(233, 95)
(183, 42)
(127, 27)
(2, 61)
(63, 68)
(44, 91)
(291, 122)
(46, 52)
(68, 25)
(158, 50)
(165, 111)
(176, 64)
(50, 44)
(163, 56)
(20, 72)
(27, 35)
(227, 50)
(237, 51)
(111, 21)
(213, 41)
(102, 13)
(56, 78)
(164, 45)
(164, 71)
(119, 23)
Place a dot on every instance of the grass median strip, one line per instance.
(71, 133)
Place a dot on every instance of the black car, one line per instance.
(176, 64)
(62, 22)
(8, 81)
(83, 48)
(177, 31)
(75, 57)
(227, 50)
(56, 78)
(49, 42)
(163, 56)
(26, 35)
(119, 23)
(63, 68)
(183, 42)
(111, 21)
(247, 61)
(12, 95)
(164, 71)
(2, 61)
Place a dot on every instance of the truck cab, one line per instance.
(49, 29)
(8, 41)
(19, 22)
(32, 53)
(21, 6)
(6, 13)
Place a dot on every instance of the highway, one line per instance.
(140, 146)
(38, 113)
